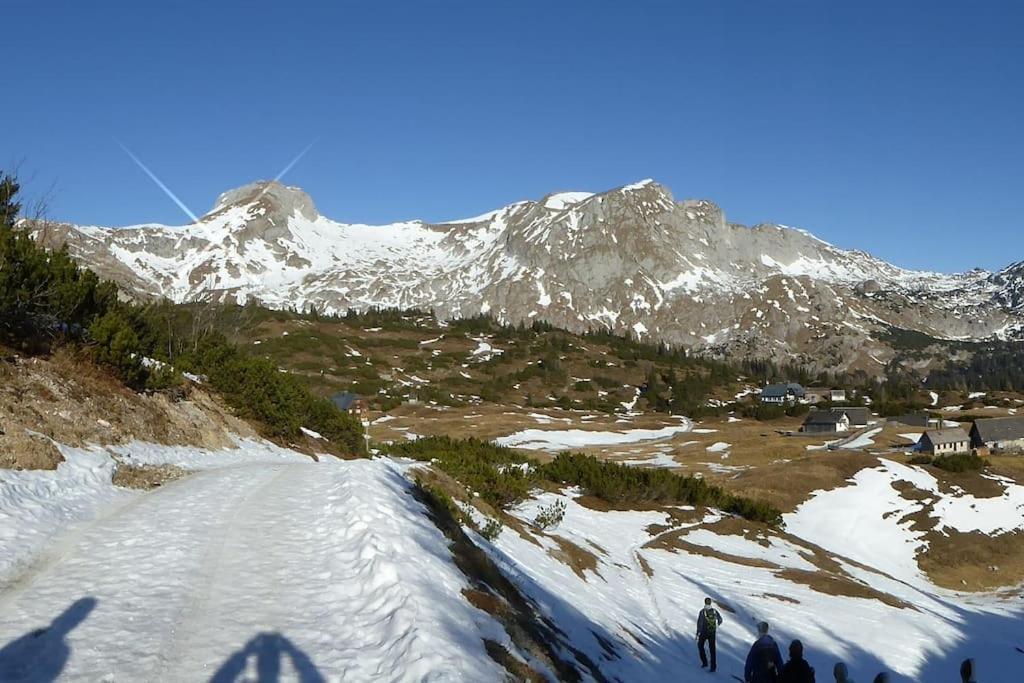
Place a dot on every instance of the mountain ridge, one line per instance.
(632, 259)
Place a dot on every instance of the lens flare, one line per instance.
(160, 183)
(289, 166)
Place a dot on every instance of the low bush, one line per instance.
(500, 476)
(550, 516)
(622, 484)
(957, 462)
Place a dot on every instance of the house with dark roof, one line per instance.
(353, 404)
(945, 441)
(998, 433)
(786, 392)
(859, 417)
(826, 422)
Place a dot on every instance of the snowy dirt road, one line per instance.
(289, 571)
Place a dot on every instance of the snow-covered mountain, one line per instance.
(632, 259)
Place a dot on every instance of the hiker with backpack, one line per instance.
(708, 622)
(764, 661)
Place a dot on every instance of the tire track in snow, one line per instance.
(195, 612)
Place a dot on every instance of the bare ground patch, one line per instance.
(973, 561)
(787, 485)
(833, 584)
(72, 401)
(146, 477)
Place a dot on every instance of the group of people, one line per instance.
(764, 661)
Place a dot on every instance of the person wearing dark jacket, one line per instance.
(708, 622)
(797, 670)
(764, 661)
(967, 672)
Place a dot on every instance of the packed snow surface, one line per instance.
(565, 439)
(330, 571)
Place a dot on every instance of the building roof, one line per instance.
(782, 390)
(824, 417)
(1000, 428)
(344, 400)
(916, 419)
(948, 435)
(857, 415)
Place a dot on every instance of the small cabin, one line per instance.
(998, 434)
(353, 404)
(826, 422)
(788, 392)
(859, 417)
(948, 441)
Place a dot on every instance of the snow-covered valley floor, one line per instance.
(264, 565)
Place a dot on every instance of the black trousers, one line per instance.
(708, 638)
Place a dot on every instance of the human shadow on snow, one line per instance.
(268, 652)
(41, 655)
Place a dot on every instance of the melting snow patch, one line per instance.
(864, 440)
(558, 440)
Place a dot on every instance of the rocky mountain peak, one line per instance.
(276, 200)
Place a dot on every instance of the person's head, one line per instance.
(707, 602)
(840, 672)
(967, 671)
(882, 678)
(762, 628)
(796, 650)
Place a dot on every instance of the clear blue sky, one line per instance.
(895, 127)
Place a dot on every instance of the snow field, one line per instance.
(559, 440)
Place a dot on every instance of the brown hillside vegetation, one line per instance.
(67, 399)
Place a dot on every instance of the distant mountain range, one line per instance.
(632, 259)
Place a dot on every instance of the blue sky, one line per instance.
(895, 127)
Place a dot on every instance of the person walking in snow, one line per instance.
(882, 678)
(797, 670)
(764, 661)
(708, 622)
(841, 673)
(967, 672)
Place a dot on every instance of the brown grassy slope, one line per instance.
(72, 401)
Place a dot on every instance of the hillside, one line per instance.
(632, 260)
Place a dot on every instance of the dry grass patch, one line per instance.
(146, 477)
(973, 561)
(576, 558)
(72, 401)
(787, 485)
(833, 584)
(21, 450)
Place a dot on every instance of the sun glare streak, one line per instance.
(160, 183)
(289, 166)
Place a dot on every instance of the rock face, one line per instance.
(632, 259)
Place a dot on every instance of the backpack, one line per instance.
(710, 620)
